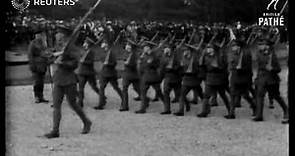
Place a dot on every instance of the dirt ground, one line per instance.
(117, 133)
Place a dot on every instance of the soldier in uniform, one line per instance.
(171, 69)
(38, 62)
(65, 84)
(108, 74)
(215, 63)
(240, 67)
(268, 80)
(149, 63)
(190, 80)
(130, 73)
(85, 71)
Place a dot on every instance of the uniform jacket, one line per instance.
(243, 75)
(191, 79)
(65, 75)
(216, 75)
(150, 65)
(109, 70)
(171, 75)
(37, 59)
(130, 71)
(264, 76)
(86, 66)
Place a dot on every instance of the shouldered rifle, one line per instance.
(76, 30)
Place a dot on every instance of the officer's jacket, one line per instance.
(149, 66)
(264, 76)
(86, 66)
(244, 74)
(191, 78)
(216, 75)
(130, 70)
(65, 75)
(37, 59)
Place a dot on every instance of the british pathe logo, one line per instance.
(20, 5)
(273, 17)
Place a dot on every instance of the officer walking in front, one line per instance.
(65, 84)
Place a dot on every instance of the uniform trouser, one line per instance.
(185, 89)
(168, 87)
(38, 87)
(198, 92)
(126, 84)
(211, 90)
(83, 79)
(251, 90)
(70, 91)
(144, 86)
(274, 91)
(103, 83)
(238, 90)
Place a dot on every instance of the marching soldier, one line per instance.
(215, 64)
(65, 84)
(170, 66)
(85, 71)
(190, 79)
(130, 73)
(268, 80)
(38, 62)
(240, 67)
(150, 63)
(108, 74)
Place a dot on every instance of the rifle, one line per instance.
(75, 32)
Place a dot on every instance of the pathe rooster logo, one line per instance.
(20, 5)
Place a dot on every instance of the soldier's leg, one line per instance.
(115, 85)
(93, 84)
(136, 87)
(209, 92)
(57, 95)
(250, 100)
(223, 96)
(213, 100)
(182, 101)
(177, 92)
(71, 92)
(167, 91)
(270, 99)
(261, 91)
(144, 99)
(125, 106)
(102, 98)
(82, 82)
(157, 88)
(234, 97)
(38, 87)
(274, 91)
